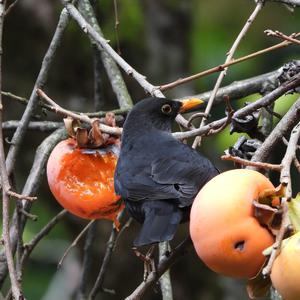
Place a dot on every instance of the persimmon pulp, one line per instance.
(83, 183)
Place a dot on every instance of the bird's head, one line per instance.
(158, 113)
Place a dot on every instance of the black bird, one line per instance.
(157, 176)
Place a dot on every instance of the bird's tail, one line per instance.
(161, 219)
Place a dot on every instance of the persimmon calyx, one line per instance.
(91, 137)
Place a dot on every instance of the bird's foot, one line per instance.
(148, 259)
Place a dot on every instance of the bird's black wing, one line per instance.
(184, 175)
(177, 175)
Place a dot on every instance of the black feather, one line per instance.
(157, 176)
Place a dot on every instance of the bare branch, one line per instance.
(88, 260)
(112, 70)
(40, 82)
(220, 68)
(242, 88)
(15, 285)
(293, 3)
(81, 117)
(10, 7)
(245, 162)
(262, 102)
(31, 186)
(165, 263)
(29, 247)
(74, 243)
(285, 37)
(285, 180)
(285, 176)
(286, 124)
(258, 8)
(44, 126)
(111, 244)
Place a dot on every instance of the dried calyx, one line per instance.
(91, 136)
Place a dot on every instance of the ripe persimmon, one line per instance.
(286, 269)
(225, 233)
(83, 182)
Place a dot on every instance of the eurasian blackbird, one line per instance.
(157, 176)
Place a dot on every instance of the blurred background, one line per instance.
(163, 40)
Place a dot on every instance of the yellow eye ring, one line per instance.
(166, 109)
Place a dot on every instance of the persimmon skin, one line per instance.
(225, 233)
(83, 183)
(285, 271)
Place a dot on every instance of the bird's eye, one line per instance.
(166, 109)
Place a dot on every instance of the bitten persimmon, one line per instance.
(285, 272)
(225, 233)
(84, 183)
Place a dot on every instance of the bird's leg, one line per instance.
(148, 259)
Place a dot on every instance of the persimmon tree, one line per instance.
(254, 120)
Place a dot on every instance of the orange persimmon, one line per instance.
(84, 183)
(225, 233)
(286, 269)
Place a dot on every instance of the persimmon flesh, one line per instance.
(285, 272)
(225, 233)
(83, 183)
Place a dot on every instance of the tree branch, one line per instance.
(44, 126)
(40, 82)
(285, 125)
(31, 186)
(111, 244)
(112, 70)
(242, 88)
(165, 263)
(293, 3)
(258, 8)
(285, 180)
(262, 102)
(79, 117)
(223, 66)
(103, 44)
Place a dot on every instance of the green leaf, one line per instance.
(294, 212)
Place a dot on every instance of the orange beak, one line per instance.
(190, 103)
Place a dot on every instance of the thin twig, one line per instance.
(283, 127)
(43, 126)
(87, 263)
(283, 36)
(220, 68)
(74, 243)
(229, 58)
(103, 44)
(262, 102)
(276, 246)
(117, 23)
(165, 263)
(112, 70)
(292, 3)
(31, 186)
(297, 163)
(15, 284)
(29, 247)
(10, 7)
(40, 82)
(21, 197)
(83, 118)
(245, 162)
(285, 179)
(111, 244)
